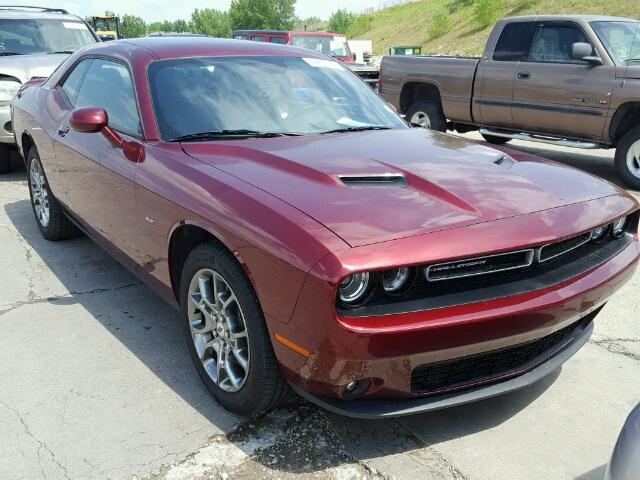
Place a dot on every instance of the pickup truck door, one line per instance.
(496, 74)
(556, 95)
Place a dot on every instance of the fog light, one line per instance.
(599, 233)
(8, 127)
(356, 388)
(619, 227)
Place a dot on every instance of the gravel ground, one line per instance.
(96, 383)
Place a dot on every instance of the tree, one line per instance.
(311, 24)
(180, 26)
(340, 21)
(133, 26)
(263, 14)
(209, 21)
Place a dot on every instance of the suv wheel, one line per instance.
(427, 114)
(5, 161)
(226, 333)
(627, 158)
(50, 217)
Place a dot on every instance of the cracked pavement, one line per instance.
(97, 383)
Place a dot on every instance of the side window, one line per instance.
(552, 44)
(259, 38)
(514, 41)
(108, 85)
(280, 40)
(71, 85)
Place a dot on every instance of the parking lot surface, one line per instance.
(96, 382)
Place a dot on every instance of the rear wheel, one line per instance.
(495, 140)
(627, 158)
(427, 114)
(226, 333)
(50, 217)
(5, 163)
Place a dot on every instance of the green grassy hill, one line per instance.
(411, 23)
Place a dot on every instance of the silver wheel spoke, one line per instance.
(39, 193)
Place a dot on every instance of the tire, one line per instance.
(627, 159)
(5, 160)
(428, 112)
(495, 140)
(262, 387)
(53, 223)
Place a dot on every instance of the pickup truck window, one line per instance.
(552, 43)
(514, 41)
(621, 39)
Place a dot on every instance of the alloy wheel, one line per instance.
(218, 330)
(422, 119)
(633, 159)
(39, 193)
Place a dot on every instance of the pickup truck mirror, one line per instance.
(584, 51)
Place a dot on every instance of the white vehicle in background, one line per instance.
(33, 42)
(362, 50)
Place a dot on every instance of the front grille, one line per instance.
(553, 250)
(480, 265)
(466, 371)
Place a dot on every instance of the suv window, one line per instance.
(513, 44)
(552, 43)
(71, 85)
(108, 85)
(280, 40)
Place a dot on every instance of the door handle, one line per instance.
(62, 131)
(524, 75)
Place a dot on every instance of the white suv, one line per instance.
(33, 42)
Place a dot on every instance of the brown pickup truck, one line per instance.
(566, 80)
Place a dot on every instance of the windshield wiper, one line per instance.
(10, 53)
(61, 51)
(629, 60)
(222, 134)
(358, 129)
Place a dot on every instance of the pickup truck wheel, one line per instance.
(428, 115)
(5, 163)
(50, 217)
(495, 140)
(226, 333)
(627, 158)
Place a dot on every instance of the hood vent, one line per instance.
(383, 180)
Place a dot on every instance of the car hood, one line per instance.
(430, 181)
(25, 67)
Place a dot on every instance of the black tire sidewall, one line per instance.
(5, 160)
(254, 396)
(432, 110)
(621, 158)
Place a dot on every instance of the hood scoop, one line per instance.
(378, 180)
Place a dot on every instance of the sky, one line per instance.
(158, 10)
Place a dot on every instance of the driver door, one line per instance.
(97, 180)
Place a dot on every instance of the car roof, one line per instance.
(568, 17)
(36, 13)
(179, 47)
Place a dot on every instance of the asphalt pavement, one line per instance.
(96, 382)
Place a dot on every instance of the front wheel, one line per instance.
(226, 333)
(627, 158)
(427, 114)
(50, 217)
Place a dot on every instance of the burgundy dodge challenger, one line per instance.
(310, 238)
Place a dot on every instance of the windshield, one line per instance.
(336, 46)
(621, 39)
(22, 36)
(287, 95)
(105, 24)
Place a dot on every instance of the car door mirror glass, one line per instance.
(584, 52)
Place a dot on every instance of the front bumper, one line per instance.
(6, 135)
(399, 408)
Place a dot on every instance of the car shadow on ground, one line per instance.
(150, 330)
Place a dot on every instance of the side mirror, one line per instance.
(88, 120)
(584, 51)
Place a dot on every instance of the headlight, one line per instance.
(355, 289)
(8, 89)
(619, 226)
(599, 233)
(395, 280)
